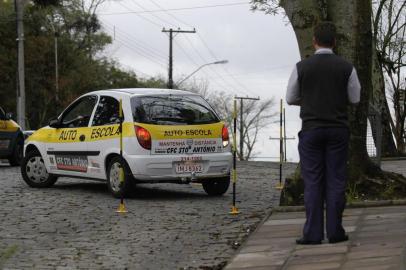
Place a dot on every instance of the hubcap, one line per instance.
(36, 170)
(115, 177)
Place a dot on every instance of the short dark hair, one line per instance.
(325, 34)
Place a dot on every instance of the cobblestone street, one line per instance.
(73, 225)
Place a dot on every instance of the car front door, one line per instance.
(67, 150)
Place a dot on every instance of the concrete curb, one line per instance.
(393, 158)
(365, 204)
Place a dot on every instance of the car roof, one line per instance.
(140, 92)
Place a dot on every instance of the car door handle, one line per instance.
(82, 138)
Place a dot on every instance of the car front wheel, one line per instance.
(216, 186)
(34, 171)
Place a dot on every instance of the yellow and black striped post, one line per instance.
(280, 185)
(121, 207)
(234, 209)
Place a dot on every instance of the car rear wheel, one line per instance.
(216, 186)
(34, 171)
(17, 156)
(117, 188)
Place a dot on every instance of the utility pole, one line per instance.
(56, 70)
(19, 8)
(171, 31)
(284, 132)
(282, 143)
(242, 123)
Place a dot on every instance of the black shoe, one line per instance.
(338, 240)
(302, 241)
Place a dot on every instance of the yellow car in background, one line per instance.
(11, 139)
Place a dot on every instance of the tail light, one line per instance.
(225, 136)
(143, 137)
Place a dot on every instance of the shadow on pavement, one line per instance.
(141, 192)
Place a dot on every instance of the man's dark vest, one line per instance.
(323, 80)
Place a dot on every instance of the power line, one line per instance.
(179, 45)
(143, 53)
(218, 75)
(170, 14)
(140, 52)
(139, 15)
(165, 22)
(258, 73)
(136, 40)
(197, 52)
(187, 38)
(143, 46)
(243, 87)
(176, 9)
(197, 65)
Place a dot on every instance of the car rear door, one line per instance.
(105, 133)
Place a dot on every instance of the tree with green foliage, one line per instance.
(81, 64)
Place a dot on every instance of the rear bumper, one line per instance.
(162, 168)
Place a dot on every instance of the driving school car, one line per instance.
(169, 136)
(11, 139)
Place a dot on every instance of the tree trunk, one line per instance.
(303, 15)
(352, 19)
(379, 102)
(354, 42)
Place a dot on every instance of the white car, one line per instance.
(169, 136)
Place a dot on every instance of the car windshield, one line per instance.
(172, 110)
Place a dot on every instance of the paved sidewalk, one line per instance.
(397, 166)
(377, 241)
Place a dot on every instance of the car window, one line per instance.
(107, 112)
(172, 110)
(78, 114)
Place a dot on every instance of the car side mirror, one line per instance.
(54, 123)
(9, 116)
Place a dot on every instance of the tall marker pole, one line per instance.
(121, 207)
(234, 209)
(280, 186)
(284, 133)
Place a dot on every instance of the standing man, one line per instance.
(323, 85)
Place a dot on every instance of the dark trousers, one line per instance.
(323, 158)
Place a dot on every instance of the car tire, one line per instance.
(34, 171)
(17, 155)
(216, 186)
(117, 189)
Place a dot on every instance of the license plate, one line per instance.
(188, 167)
(4, 144)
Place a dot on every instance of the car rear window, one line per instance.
(172, 110)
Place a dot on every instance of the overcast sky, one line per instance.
(261, 50)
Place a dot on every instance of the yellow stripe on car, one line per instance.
(166, 132)
(8, 126)
(91, 134)
(69, 135)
